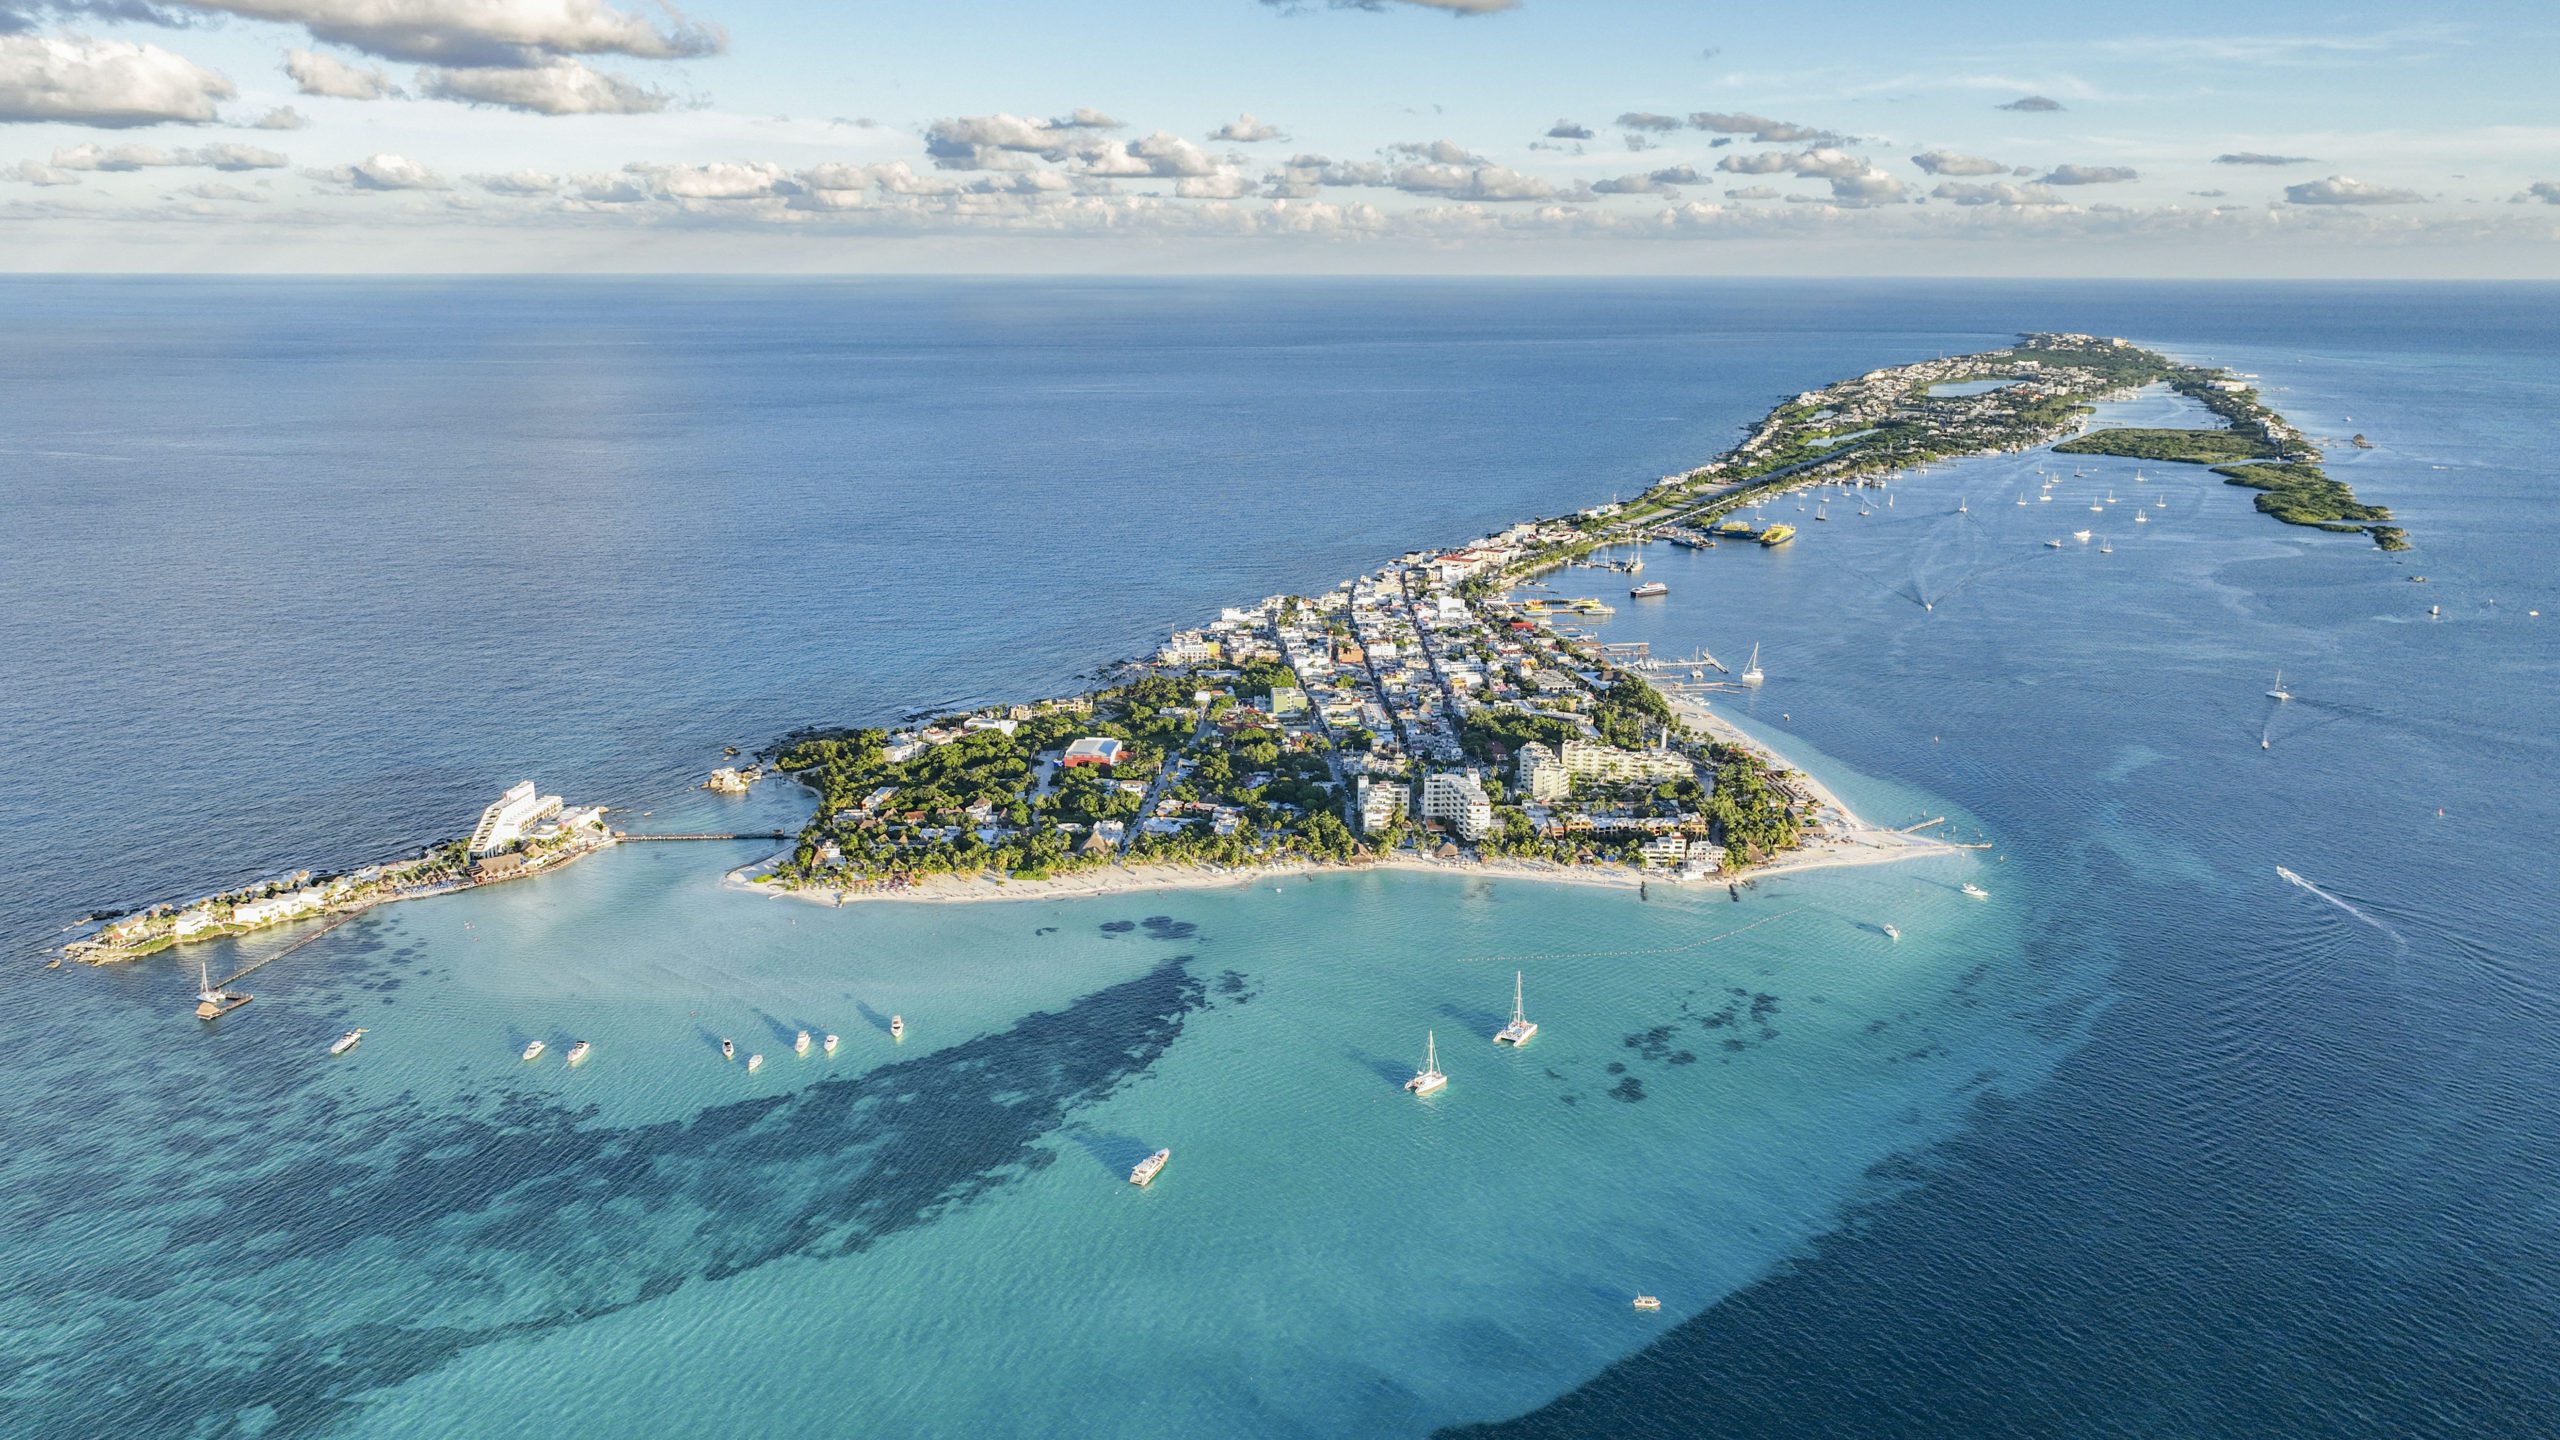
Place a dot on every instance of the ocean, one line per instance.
(2153, 1141)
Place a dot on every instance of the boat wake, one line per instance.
(2396, 937)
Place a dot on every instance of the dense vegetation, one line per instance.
(1507, 728)
(1752, 816)
(2305, 495)
(1629, 712)
(2186, 447)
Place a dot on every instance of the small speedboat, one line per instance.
(578, 1053)
(800, 1045)
(2053, 544)
(533, 1051)
(897, 1027)
(346, 1042)
(1648, 1302)
(831, 1044)
(754, 1063)
(1892, 934)
(728, 1049)
(1976, 891)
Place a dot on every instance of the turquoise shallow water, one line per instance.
(2151, 1142)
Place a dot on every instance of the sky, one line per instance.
(1569, 137)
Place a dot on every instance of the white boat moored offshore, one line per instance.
(728, 1049)
(1648, 1302)
(1976, 891)
(578, 1053)
(1521, 1026)
(831, 1044)
(2081, 535)
(346, 1042)
(754, 1063)
(1751, 674)
(1892, 934)
(800, 1043)
(533, 1051)
(2279, 693)
(2141, 517)
(2053, 544)
(897, 1027)
(1428, 1079)
(1145, 1171)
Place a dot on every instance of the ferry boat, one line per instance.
(728, 1049)
(1428, 1079)
(1145, 1171)
(800, 1045)
(2279, 693)
(214, 1001)
(578, 1053)
(1976, 891)
(1521, 1027)
(1777, 535)
(897, 1027)
(831, 1044)
(754, 1063)
(1892, 934)
(346, 1042)
(1751, 674)
(1648, 1302)
(533, 1051)
(1648, 590)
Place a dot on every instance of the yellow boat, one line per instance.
(1777, 535)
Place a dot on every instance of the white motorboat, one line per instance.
(1648, 1302)
(754, 1063)
(1976, 891)
(578, 1053)
(1428, 1079)
(728, 1049)
(2081, 535)
(897, 1027)
(1145, 1171)
(2053, 544)
(346, 1042)
(533, 1051)
(831, 1044)
(1892, 934)
(1521, 1026)
(800, 1043)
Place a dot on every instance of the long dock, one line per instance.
(732, 835)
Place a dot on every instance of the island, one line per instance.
(1440, 712)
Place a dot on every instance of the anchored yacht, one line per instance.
(1521, 1026)
(1751, 674)
(1428, 1079)
(346, 1042)
(1976, 891)
(533, 1051)
(1145, 1171)
(897, 1027)
(831, 1044)
(800, 1043)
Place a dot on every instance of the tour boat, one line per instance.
(215, 1001)
(1976, 891)
(897, 1027)
(1751, 672)
(1648, 1302)
(1428, 1079)
(2279, 693)
(754, 1063)
(533, 1051)
(346, 1042)
(728, 1049)
(1521, 1026)
(800, 1044)
(578, 1053)
(831, 1044)
(1145, 1171)
(1892, 934)
(1648, 590)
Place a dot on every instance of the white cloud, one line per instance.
(1997, 192)
(36, 172)
(1568, 130)
(2032, 104)
(1949, 162)
(723, 180)
(1225, 185)
(217, 190)
(1169, 155)
(151, 157)
(2090, 175)
(1761, 128)
(518, 182)
(1752, 192)
(108, 83)
(2546, 191)
(562, 87)
(2252, 157)
(485, 32)
(335, 79)
(1821, 163)
(2341, 190)
(283, 117)
(1479, 182)
(1246, 130)
(381, 172)
(1644, 120)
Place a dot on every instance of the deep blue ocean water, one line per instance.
(2154, 1142)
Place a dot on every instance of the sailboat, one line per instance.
(213, 1001)
(2141, 517)
(1428, 1079)
(2279, 693)
(1521, 1026)
(2106, 547)
(1960, 506)
(1751, 671)
(2022, 497)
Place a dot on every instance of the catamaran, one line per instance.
(215, 1001)
(1428, 1079)
(2279, 693)
(1521, 1026)
(1751, 672)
